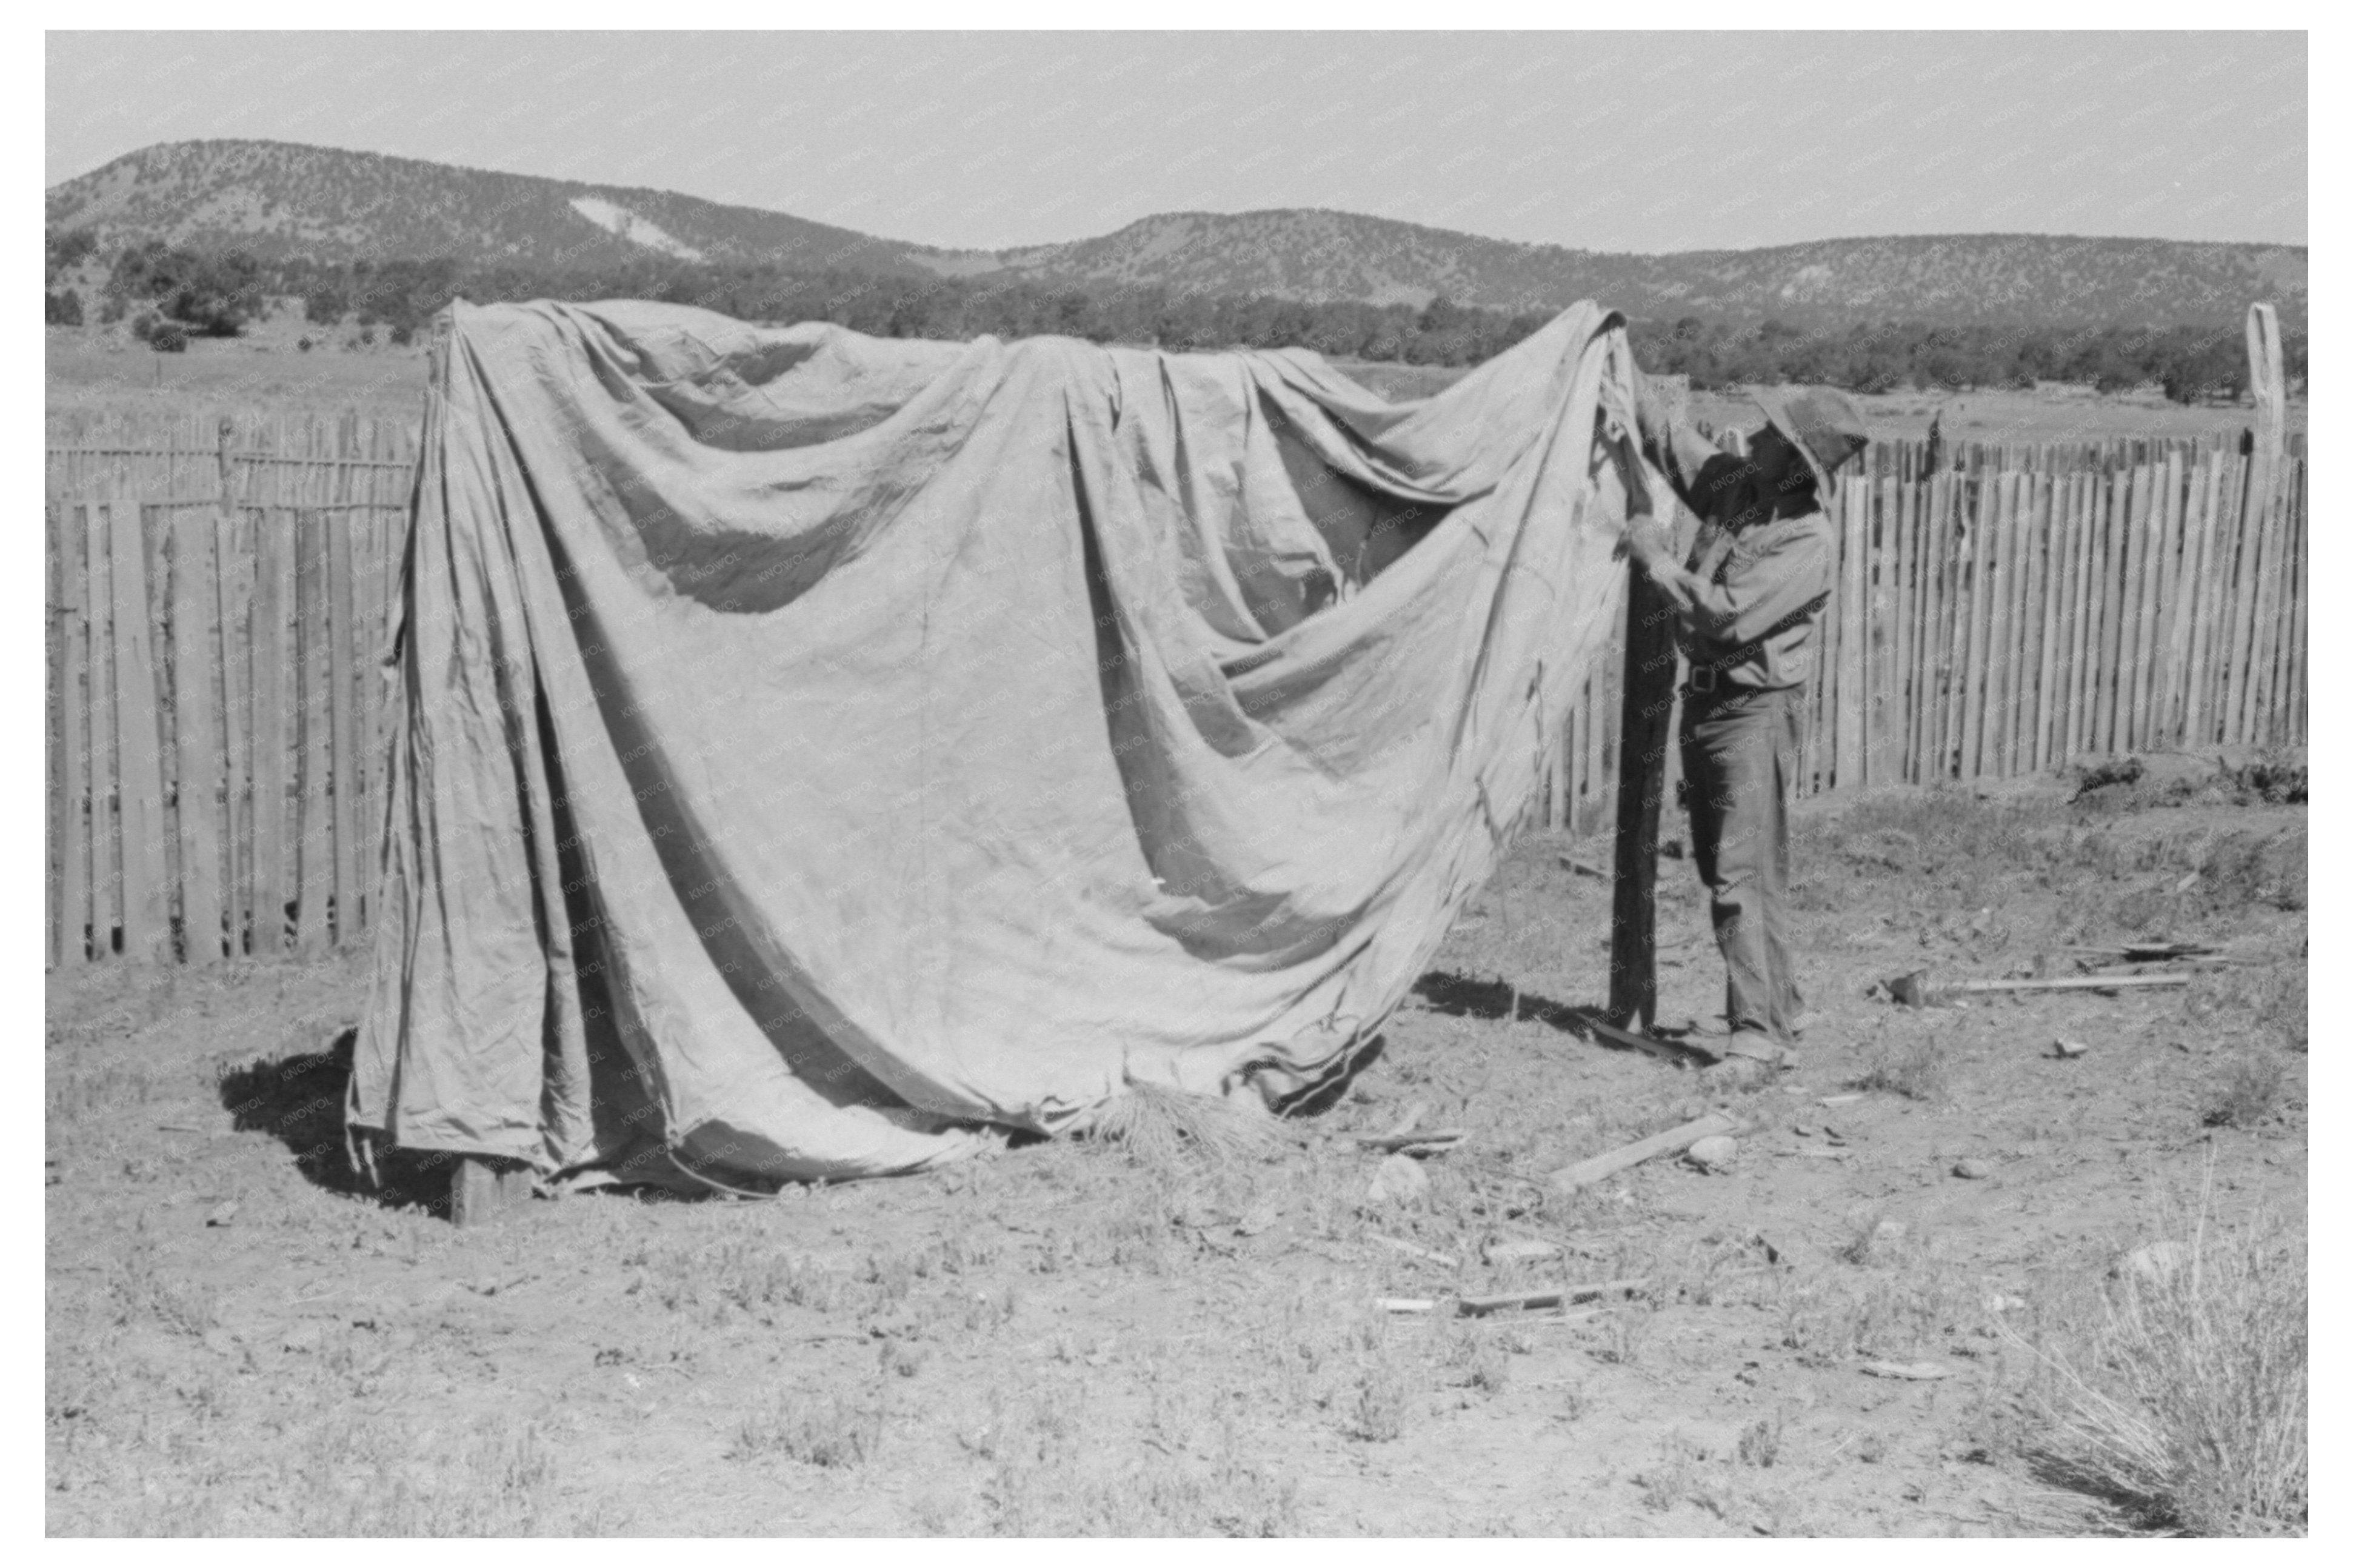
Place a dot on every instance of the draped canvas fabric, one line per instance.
(819, 755)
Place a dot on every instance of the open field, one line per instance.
(2055, 412)
(90, 368)
(1092, 1337)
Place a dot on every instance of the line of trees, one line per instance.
(206, 294)
(2189, 362)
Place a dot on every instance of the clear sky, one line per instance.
(1642, 141)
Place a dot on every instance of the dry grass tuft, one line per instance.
(2247, 1097)
(832, 1433)
(2181, 1403)
(1915, 1069)
(1162, 1127)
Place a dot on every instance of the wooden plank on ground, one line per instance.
(197, 735)
(147, 924)
(1585, 1173)
(274, 729)
(314, 835)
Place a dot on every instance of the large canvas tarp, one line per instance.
(820, 755)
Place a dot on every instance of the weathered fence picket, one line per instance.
(218, 715)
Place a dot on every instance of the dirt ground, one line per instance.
(1079, 1337)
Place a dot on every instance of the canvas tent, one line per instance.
(821, 754)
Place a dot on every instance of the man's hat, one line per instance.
(1824, 424)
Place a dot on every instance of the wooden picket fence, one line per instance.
(2025, 608)
(216, 699)
(220, 610)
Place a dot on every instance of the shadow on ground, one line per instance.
(1463, 998)
(299, 1100)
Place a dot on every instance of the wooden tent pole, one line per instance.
(1646, 730)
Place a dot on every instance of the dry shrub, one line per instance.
(1161, 1129)
(2247, 1097)
(831, 1433)
(1915, 1069)
(1760, 1443)
(2180, 1402)
(2273, 997)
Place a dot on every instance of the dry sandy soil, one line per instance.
(1088, 1337)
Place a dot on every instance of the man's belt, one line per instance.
(1702, 680)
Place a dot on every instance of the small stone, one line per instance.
(1260, 1216)
(1716, 1153)
(2153, 1262)
(1399, 1180)
(1890, 1230)
(1973, 1169)
(223, 1214)
(2064, 1048)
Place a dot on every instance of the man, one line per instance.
(1746, 603)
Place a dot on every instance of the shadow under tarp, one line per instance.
(819, 755)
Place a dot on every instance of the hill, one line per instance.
(283, 201)
(279, 200)
(1961, 278)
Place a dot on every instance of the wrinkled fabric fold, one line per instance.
(818, 756)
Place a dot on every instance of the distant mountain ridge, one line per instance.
(282, 199)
